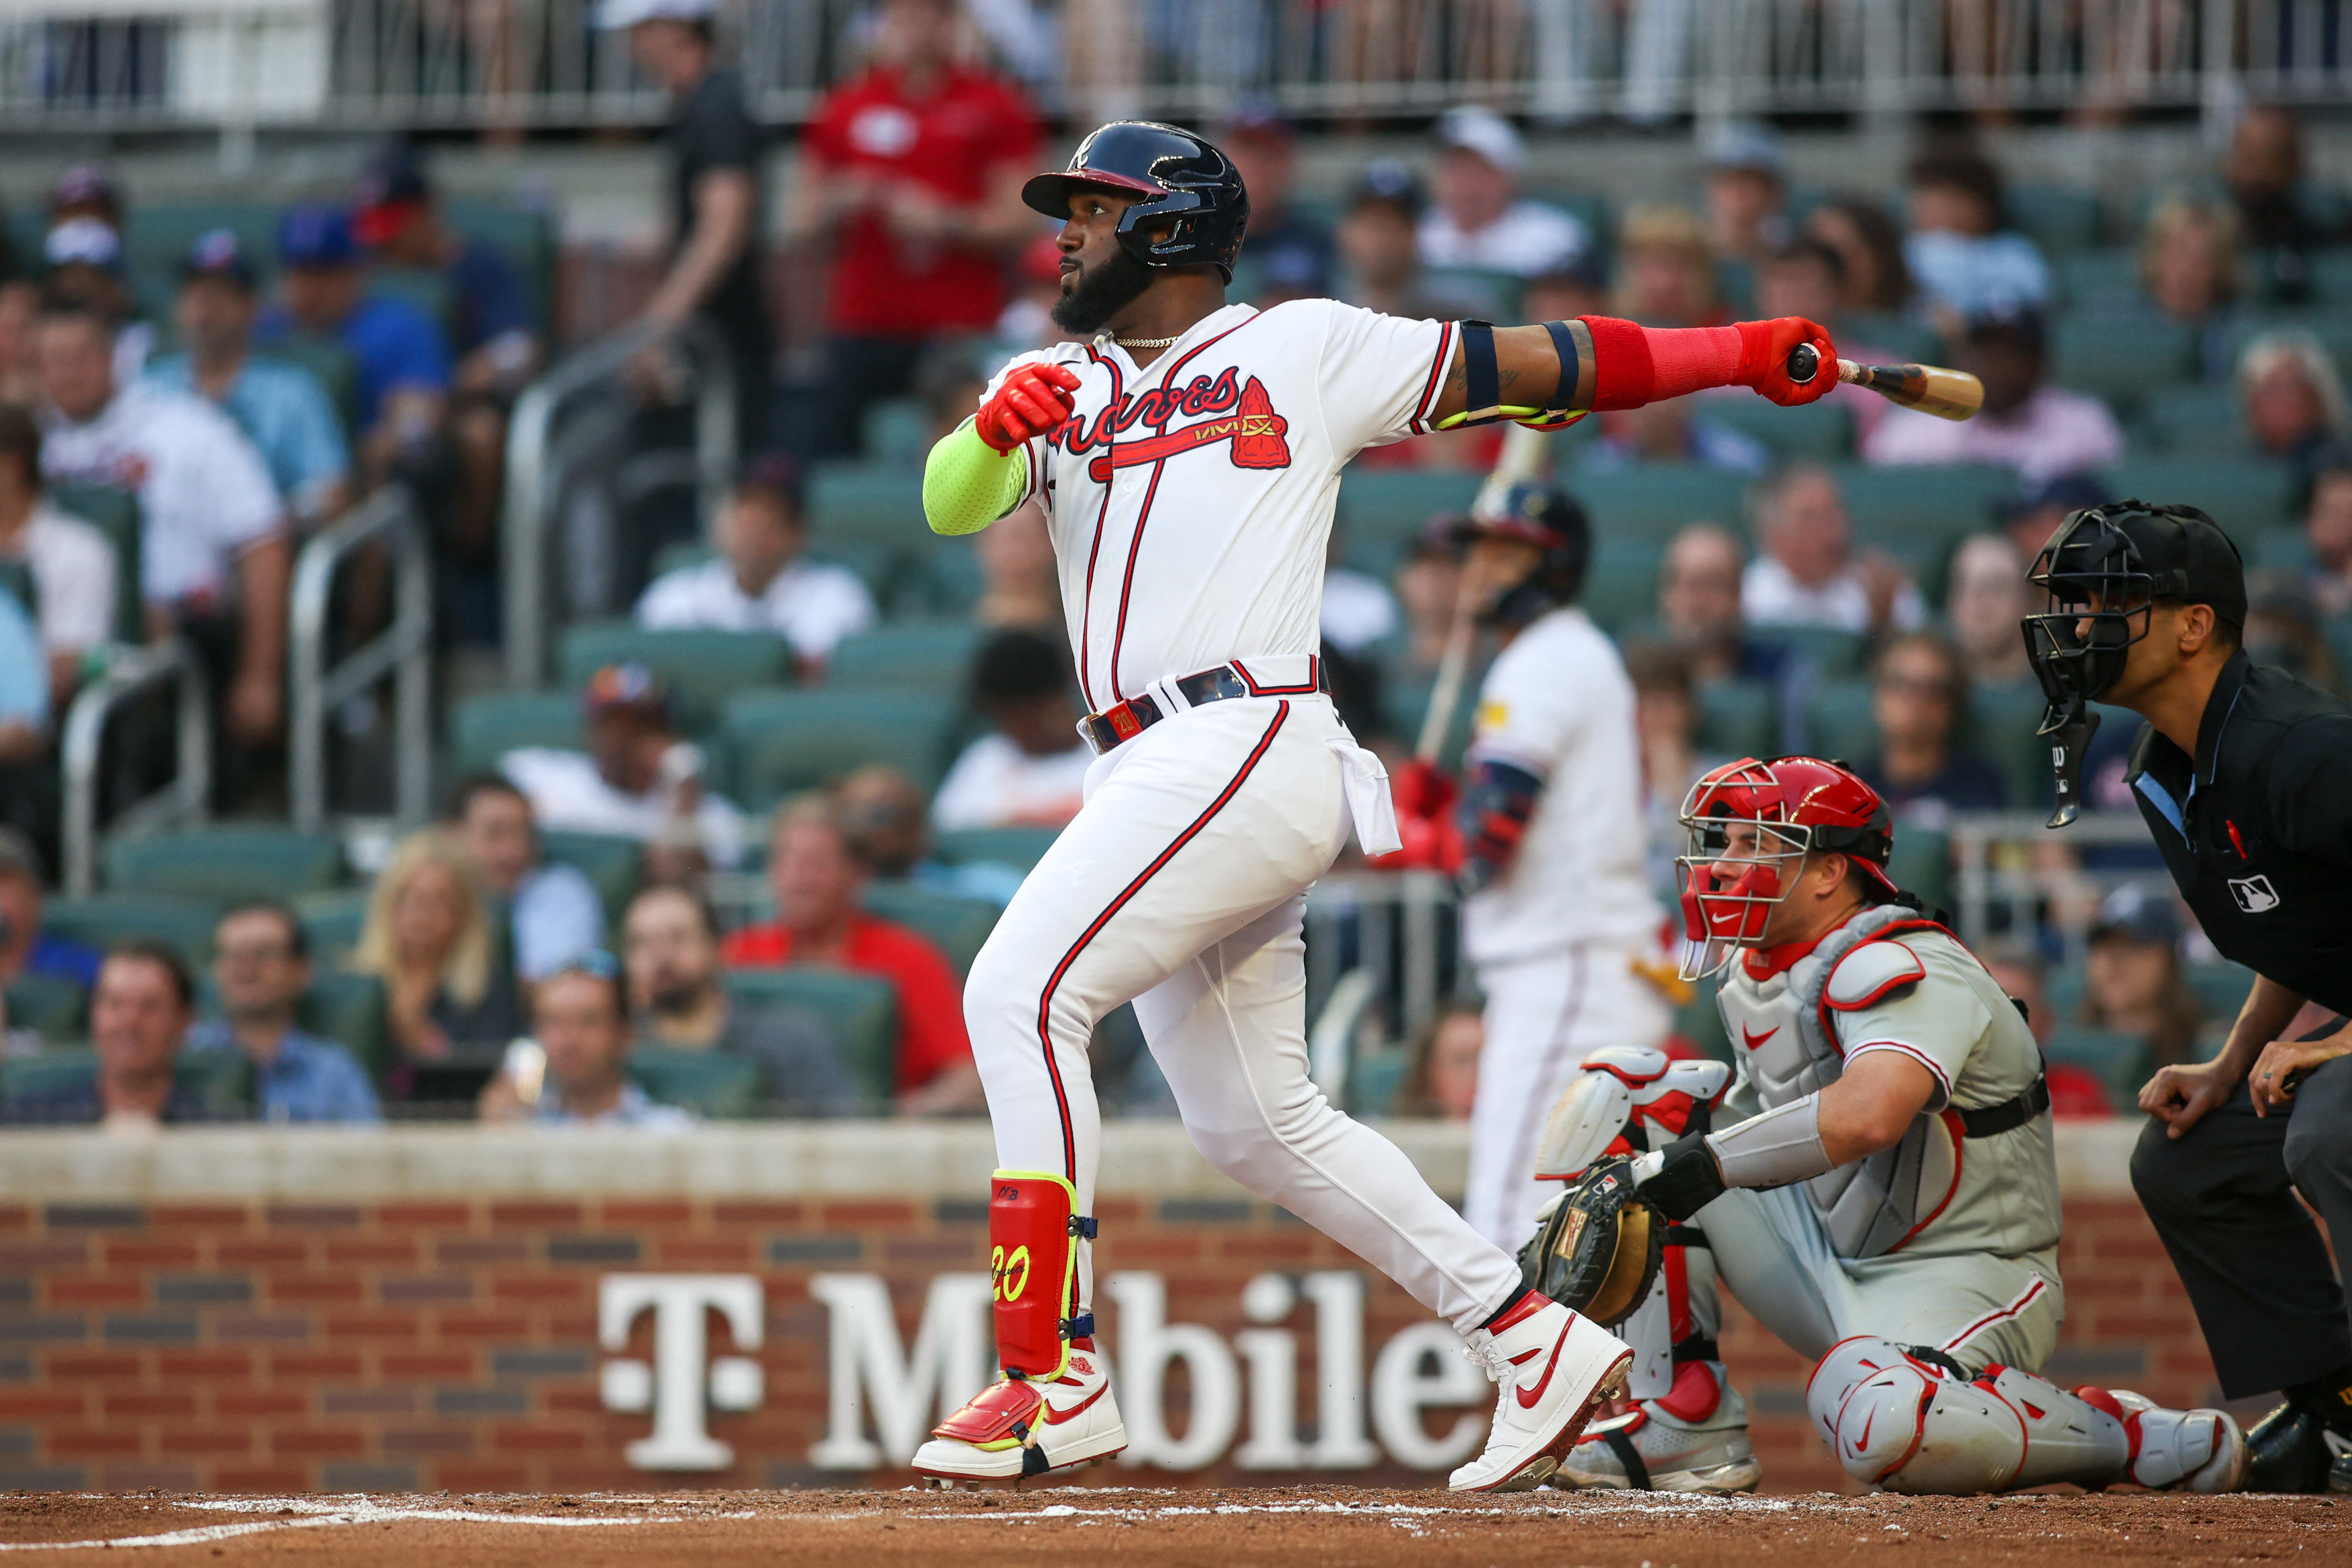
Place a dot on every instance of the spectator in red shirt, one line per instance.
(913, 171)
(816, 877)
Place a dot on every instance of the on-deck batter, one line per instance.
(1188, 459)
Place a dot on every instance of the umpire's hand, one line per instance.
(2179, 1096)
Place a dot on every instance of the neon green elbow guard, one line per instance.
(967, 484)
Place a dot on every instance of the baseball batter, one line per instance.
(1188, 460)
(1884, 1199)
(1558, 915)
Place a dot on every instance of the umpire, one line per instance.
(2244, 775)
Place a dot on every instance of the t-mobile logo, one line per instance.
(684, 1383)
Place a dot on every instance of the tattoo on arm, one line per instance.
(1525, 359)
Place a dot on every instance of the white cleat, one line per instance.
(2175, 1451)
(1555, 1368)
(1017, 1428)
(1650, 1448)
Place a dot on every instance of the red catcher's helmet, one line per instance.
(1732, 878)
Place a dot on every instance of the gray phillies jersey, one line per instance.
(1885, 980)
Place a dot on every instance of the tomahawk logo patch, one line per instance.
(2254, 894)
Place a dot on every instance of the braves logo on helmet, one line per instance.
(1750, 825)
(1187, 182)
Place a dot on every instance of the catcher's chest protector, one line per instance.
(1786, 1052)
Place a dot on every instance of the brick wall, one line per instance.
(452, 1343)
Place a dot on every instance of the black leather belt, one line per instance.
(1115, 725)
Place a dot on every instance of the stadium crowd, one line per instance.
(621, 918)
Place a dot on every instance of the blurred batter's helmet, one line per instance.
(1186, 181)
(1550, 519)
(1792, 807)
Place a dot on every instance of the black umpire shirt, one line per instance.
(2257, 828)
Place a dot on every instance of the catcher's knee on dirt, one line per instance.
(1914, 1421)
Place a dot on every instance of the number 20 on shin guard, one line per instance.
(1034, 1256)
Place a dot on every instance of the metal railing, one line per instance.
(2004, 880)
(186, 799)
(402, 649)
(541, 465)
(522, 63)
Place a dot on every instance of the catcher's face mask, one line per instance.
(1743, 859)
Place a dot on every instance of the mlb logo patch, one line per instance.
(2255, 894)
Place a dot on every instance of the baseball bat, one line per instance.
(1521, 458)
(1931, 388)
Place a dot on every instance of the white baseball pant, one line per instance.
(1544, 1016)
(1181, 885)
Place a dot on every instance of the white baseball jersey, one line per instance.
(1557, 703)
(1189, 501)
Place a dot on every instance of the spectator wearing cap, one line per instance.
(1918, 699)
(2292, 398)
(814, 876)
(451, 1002)
(69, 562)
(2132, 979)
(1964, 262)
(2328, 530)
(27, 948)
(2033, 513)
(1806, 573)
(1379, 248)
(1478, 218)
(400, 362)
(214, 555)
(1986, 596)
(1665, 270)
(580, 1019)
(670, 948)
(140, 1012)
(2027, 424)
(1746, 193)
(1290, 255)
(913, 171)
(638, 780)
(758, 581)
(713, 271)
(553, 914)
(261, 966)
(281, 407)
(83, 261)
(1030, 769)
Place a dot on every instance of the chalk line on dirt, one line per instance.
(313, 1513)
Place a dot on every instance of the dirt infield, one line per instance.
(1293, 1526)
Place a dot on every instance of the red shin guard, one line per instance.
(1033, 1235)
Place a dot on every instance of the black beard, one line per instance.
(1102, 292)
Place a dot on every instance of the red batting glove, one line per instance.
(1034, 398)
(1425, 800)
(1421, 789)
(1764, 360)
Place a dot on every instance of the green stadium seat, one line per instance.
(1738, 718)
(332, 921)
(1375, 1079)
(1821, 432)
(1022, 847)
(934, 658)
(707, 1082)
(2331, 274)
(1656, 501)
(2202, 421)
(2061, 219)
(51, 1006)
(332, 365)
(784, 742)
(2098, 280)
(1921, 863)
(1898, 337)
(942, 582)
(874, 503)
(1943, 501)
(701, 668)
(484, 729)
(219, 1082)
(103, 919)
(1405, 701)
(1837, 653)
(896, 430)
(956, 926)
(17, 582)
(2120, 1060)
(2332, 327)
(2121, 359)
(1838, 721)
(878, 565)
(1700, 1020)
(2221, 986)
(1395, 504)
(2243, 495)
(228, 860)
(2000, 728)
(859, 1013)
(348, 1010)
(614, 866)
(524, 233)
(115, 514)
(2278, 550)
(1475, 290)
(1622, 586)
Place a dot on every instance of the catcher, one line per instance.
(1882, 1193)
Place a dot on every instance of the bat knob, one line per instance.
(1804, 363)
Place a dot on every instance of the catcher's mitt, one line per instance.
(1599, 1247)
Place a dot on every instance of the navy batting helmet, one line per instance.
(1183, 177)
(1550, 519)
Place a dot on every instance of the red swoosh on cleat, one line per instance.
(1528, 1396)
